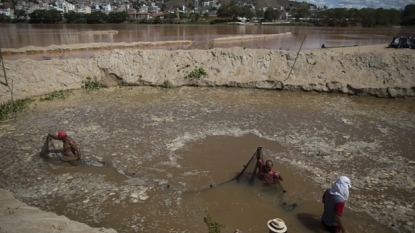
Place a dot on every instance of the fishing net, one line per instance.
(48, 151)
(250, 170)
(249, 175)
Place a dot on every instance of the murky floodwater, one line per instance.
(164, 148)
(21, 35)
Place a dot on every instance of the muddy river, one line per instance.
(157, 160)
(306, 38)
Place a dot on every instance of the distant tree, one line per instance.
(37, 16)
(367, 17)
(270, 14)
(156, 20)
(235, 11)
(353, 16)
(340, 14)
(247, 12)
(233, 2)
(117, 17)
(74, 17)
(302, 13)
(45, 16)
(194, 17)
(20, 13)
(96, 17)
(381, 17)
(52, 16)
(206, 16)
(224, 11)
(394, 16)
(5, 19)
(408, 15)
(259, 13)
(163, 7)
(170, 16)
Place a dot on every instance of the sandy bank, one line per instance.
(16, 216)
(95, 46)
(99, 32)
(248, 37)
(364, 70)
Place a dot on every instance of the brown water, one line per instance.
(168, 146)
(21, 35)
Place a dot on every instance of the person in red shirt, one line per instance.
(334, 200)
(70, 148)
(266, 171)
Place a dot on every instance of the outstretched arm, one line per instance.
(52, 136)
(75, 147)
(258, 152)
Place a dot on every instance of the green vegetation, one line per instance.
(186, 66)
(45, 16)
(213, 226)
(408, 15)
(89, 84)
(343, 17)
(13, 107)
(270, 14)
(5, 19)
(56, 95)
(320, 154)
(168, 84)
(197, 73)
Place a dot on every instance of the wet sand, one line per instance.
(94, 46)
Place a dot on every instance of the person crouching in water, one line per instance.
(266, 171)
(70, 149)
(334, 200)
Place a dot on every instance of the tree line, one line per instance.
(55, 16)
(366, 17)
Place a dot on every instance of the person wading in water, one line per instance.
(266, 171)
(70, 149)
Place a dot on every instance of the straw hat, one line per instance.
(277, 225)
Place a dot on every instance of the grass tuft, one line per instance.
(6, 109)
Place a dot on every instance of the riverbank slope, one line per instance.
(16, 216)
(363, 70)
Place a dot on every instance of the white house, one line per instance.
(107, 8)
(153, 8)
(5, 12)
(84, 10)
(143, 9)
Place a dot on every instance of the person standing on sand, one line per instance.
(70, 149)
(334, 200)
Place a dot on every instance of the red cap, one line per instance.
(61, 134)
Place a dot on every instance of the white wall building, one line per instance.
(84, 10)
(153, 8)
(5, 12)
(107, 8)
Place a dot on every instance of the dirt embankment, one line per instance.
(368, 70)
(16, 216)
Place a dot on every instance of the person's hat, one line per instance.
(61, 134)
(277, 225)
